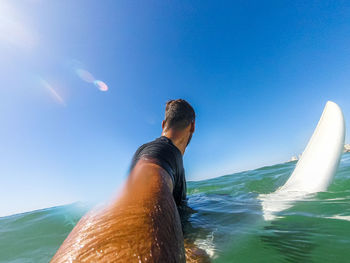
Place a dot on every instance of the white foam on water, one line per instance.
(207, 245)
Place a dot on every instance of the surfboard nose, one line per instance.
(316, 167)
(336, 118)
(319, 161)
(331, 106)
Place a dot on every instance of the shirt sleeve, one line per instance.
(136, 157)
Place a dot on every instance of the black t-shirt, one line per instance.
(164, 153)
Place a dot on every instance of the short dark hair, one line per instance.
(178, 114)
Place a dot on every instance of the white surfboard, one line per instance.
(316, 167)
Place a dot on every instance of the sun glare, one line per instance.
(13, 30)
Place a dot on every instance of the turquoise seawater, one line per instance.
(228, 222)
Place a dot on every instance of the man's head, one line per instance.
(179, 118)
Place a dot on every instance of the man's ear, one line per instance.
(193, 124)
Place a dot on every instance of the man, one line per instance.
(143, 223)
(167, 151)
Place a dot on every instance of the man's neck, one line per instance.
(178, 138)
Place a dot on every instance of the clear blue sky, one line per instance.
(258, 74)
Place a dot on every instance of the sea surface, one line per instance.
(228, 222)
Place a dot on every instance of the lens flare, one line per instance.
(79, 69)
(101, 85)
(52, 91)
(85, 75)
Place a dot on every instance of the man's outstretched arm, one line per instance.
(142, 225)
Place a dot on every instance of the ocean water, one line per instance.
(228, 222)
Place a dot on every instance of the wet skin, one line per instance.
(142, 225)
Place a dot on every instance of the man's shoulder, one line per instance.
(161, 147)
(162, 140)
(155, 141)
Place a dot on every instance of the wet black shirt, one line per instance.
(164, 153)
